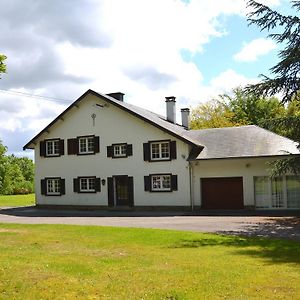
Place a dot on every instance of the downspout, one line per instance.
(191, 185)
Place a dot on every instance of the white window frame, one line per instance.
(119, 150)
(54, 146)
(86, 145)
(89, 182)
(161, 180)
(53, 186)
(160, 150)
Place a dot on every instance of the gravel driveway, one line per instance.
(236, 223)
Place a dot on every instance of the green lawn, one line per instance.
(89, 262)
(17, 200)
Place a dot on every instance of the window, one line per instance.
(86, 145)
(278, 192)
(83, 145)
(261, 188)
(52, 148)
(87, 184)
(293, 191)
(161, 182)
(160, 150)
(119, 150)
(54, 186)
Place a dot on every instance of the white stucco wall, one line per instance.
(112, 125)
(246, 168)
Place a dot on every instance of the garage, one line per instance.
(222, 193)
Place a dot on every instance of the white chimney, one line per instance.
(185, 117)
(171, 109)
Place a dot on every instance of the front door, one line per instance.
(120, 191)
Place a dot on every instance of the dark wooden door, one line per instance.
(222, 193)
(123, 190)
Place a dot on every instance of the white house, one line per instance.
(102, 152)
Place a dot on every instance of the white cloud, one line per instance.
(135, 48)
(252, 50)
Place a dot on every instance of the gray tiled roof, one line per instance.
(243, 141)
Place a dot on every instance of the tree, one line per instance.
(286, 80)
(2, 65)
(16, 173)
(236, 109)
(212, 114)
(286, 73)
(250, 109)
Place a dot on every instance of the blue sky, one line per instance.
(193, 50)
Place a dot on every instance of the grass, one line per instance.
(89, 262)
(17, 200)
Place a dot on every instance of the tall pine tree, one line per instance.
(285, 75)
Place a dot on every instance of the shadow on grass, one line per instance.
(272, 250)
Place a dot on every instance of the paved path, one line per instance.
(271, 226)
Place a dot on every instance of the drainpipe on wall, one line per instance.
(191, 186)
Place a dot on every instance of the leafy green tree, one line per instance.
(250, 109)
(16, 174)
(236, 109)
(212, 114)
(2, 64)
(285, 75)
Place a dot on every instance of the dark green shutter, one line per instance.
(147, 183)
(43, 187)
(98, 185)
(129, 150)
(43, 148)
(130, 191)
(76, 185)
(110, 151)
(62, 186)
(146, 147)
(110, 191)
(96, 144)
(174, 183)
(61, 147)
(173, 150)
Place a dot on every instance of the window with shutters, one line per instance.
(161, 182)
(160, 150)
(86, 145)
(53, 186)
(119, 150)
(52, 148)
(87, 184)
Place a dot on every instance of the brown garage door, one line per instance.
(222, 193)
